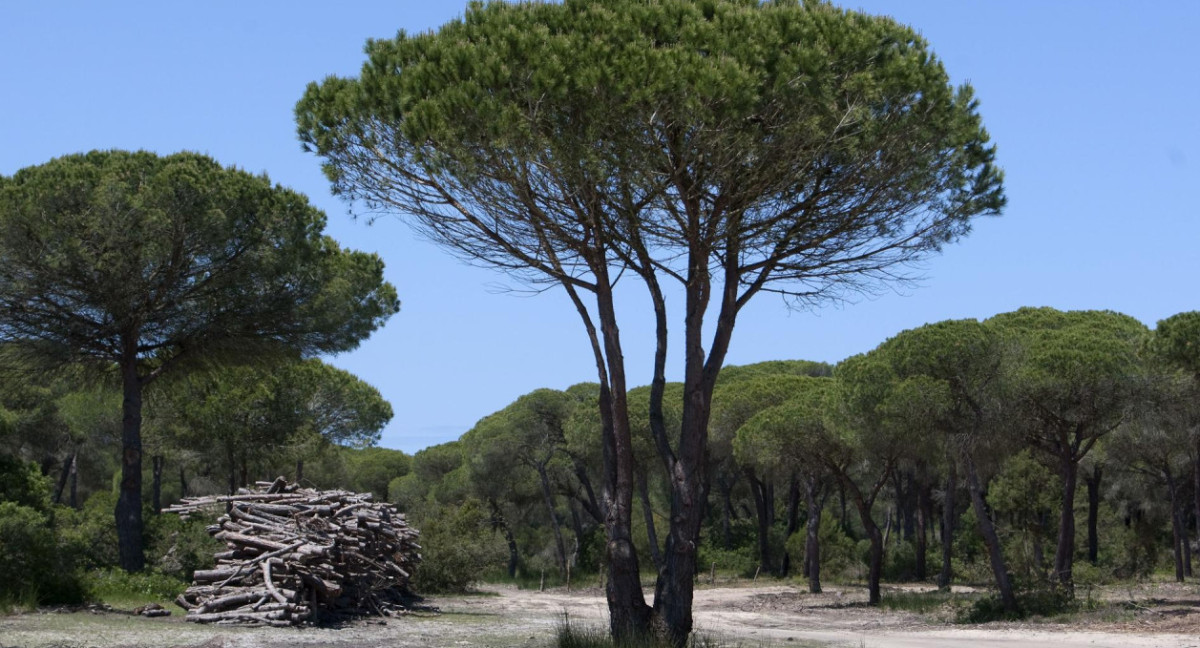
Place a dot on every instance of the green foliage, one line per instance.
(125, 590)
(33, 565)
(180, 547)
(92, 530)
(458, 546)
(23, 484)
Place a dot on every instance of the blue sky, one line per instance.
(1092, 104)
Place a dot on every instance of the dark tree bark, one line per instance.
(183, 484)
(924, 515)
(74, 496)
(793, 522)
(1064, 556)
(129, 503)
(988, 530)
(943, 580)
(812, 536)
(758, 488)
(68, 468)
(1093, 492)
(299, 470)
(1177, 535)
(727, 513)
(1039, 553)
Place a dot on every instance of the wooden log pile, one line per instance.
(297, 555)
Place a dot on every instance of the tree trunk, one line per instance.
(812, 537)
(793, 521)
(68, 468)
(548, 497)
(129, 503)
(1177, 536)
(988, 530)
(629, 616)
(924, 515)
(156, 471)
(758, 489)
(943, 581)
(299, 470)
(500, 523)
(1039, 554)
(1064, 556)
(727, 513)
(1196, 484)
(74, 497)
(183, 486)
(648, 514)
(875, 569)
(1093, 493)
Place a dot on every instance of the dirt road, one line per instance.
(748, 617)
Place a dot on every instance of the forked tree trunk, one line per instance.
(129, 503)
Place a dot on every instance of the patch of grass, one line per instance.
(569, 636)
(923, 602)
(123, 590)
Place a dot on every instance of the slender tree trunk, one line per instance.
(1039, 553)
(183, 485)
(548, 497)
(498, 522)
(812, 537)
(1177, 535)
(875, 567)
(844, 520)
(68, 468)
(648, 514)
(299, 470)
(629, 616)
(1064, 556)
(726, 513)
(1093, 493)
(1196, 485)
(156, 472)
(943, 580)
(74, 496)
(758, 489)
(924, 517)
(793, 522)
(988, 530)
(129, 503)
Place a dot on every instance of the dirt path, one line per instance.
(505, 617)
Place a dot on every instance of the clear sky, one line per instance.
(1093, 105)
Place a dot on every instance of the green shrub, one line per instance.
(23, 483)
(741, 561)
(33, 566)
(458, 546)
(91, 532)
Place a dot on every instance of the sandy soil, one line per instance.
(1166, 616)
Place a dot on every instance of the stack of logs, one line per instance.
(300, 555)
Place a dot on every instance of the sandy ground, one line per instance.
(1166, 616)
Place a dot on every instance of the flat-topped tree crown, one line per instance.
(146, 262)
(728, 147)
